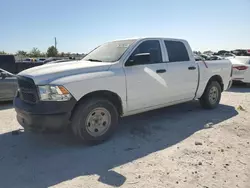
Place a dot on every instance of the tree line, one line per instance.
(35, 52)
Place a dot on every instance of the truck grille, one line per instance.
(27, 89)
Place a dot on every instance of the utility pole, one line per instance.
(55, 43)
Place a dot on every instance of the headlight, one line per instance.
(54, 93)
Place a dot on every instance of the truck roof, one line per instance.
(149, 38)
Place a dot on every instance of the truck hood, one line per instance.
(47, 73)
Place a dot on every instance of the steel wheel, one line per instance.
(213, 95)
(98, 122)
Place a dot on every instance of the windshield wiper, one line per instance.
(96, 60)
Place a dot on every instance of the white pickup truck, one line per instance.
(117, 79)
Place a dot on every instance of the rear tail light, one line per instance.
(242, 67)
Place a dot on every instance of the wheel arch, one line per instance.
(218, 79)
(106, 94)
(205, 99)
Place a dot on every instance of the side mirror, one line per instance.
(139, 59)
(130, 62)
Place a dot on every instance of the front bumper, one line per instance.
(43, 115)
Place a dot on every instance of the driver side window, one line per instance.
(150, 46)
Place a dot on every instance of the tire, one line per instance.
(94, 120)
(211, 96)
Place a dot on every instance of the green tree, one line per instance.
(35, 52)
(62, 54)
(52, 51)
(43, 54)
(21, 53)
(3, 52)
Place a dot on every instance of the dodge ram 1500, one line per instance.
(117, 79)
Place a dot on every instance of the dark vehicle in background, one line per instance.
(204, 57)
(241, 52)
(215, 57)
(8, 63)
(8, 83)
(222, 52)
(8, 86)
(198, 57)
(210, 57)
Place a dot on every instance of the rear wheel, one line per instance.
(211, 96)
(94, 120)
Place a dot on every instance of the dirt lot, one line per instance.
(181, 146)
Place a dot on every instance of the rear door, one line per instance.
(182, 72)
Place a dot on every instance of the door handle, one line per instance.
(191, 68)
(161, 71)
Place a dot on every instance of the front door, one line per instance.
(146, 86)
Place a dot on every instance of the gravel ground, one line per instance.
(180, 146)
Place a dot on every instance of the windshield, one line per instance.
(109, 52)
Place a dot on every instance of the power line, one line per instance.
(55, 43)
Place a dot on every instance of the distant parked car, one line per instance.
(241, 69)
(60, 61)
(52, 59)
(241, 52)
(228, 55)
(40, 60)
(216, 57)
(221, 52)
(29, 60)
(205, 57)
(198, 57)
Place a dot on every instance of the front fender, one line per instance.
(82, 84)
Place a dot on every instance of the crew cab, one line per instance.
(117, 79)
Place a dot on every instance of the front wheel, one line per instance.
(94, 120)
(211, 96)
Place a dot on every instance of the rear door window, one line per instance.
(177, 51)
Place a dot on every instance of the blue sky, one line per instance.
(81, 25)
